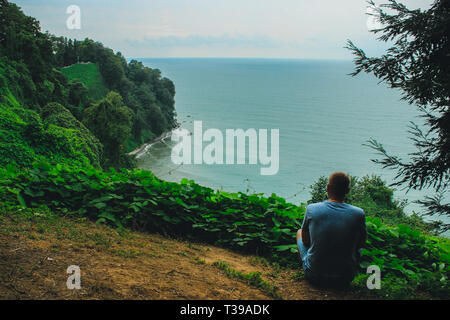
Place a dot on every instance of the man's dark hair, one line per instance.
(339, 184)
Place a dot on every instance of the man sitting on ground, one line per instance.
(331, 236)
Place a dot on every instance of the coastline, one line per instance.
(144, 148)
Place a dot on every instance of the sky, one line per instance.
(301, 29)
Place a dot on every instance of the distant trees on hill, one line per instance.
(32, 60)
(144, 91)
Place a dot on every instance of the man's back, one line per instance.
(335, 230)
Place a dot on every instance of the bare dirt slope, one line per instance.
(35, 254)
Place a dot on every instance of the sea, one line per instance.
(324, 117)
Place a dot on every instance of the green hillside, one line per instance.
(54, 135)
(89, 75)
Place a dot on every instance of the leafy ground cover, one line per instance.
(412, 262)
(54, 135)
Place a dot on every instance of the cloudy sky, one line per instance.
(217, 28)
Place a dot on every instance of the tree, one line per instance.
(57, 115)
(111, 69)
(111, 122)
(418, 65)
(144, 91)
(78, 98)
(156, 119)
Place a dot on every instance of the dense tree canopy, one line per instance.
(111, 122)
(29, 51)
(32, 61)
(418, 64)
(150, 96)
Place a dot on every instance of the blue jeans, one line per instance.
(339, 282)
(303, 250)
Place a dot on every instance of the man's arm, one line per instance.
(304, 231)
(306, 237)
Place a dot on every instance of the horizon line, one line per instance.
(262, 58)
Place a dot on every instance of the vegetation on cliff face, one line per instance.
(144, 91)
(54, 135)
(111, 122)
(32, 76)
(87, 75)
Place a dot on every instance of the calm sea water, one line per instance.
(324, 117)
